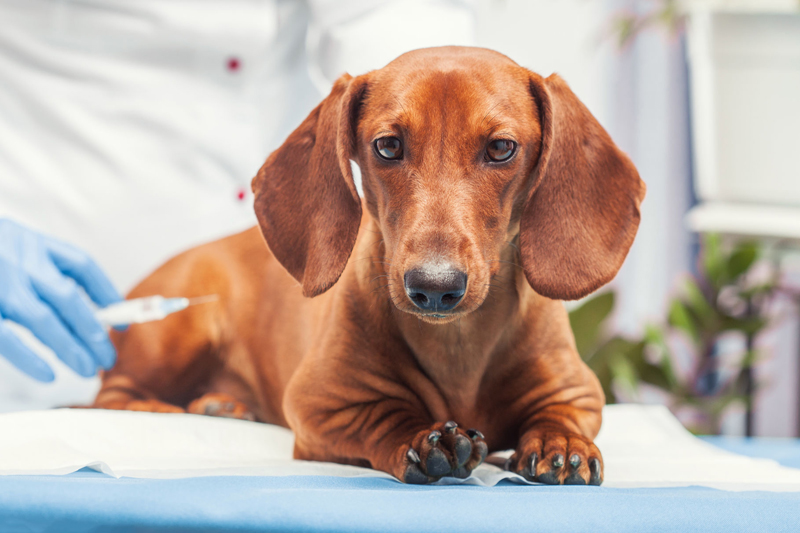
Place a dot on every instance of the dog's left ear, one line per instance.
(582, 212)
(305, 199)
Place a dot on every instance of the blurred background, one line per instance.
(133, 128)
(705, 98)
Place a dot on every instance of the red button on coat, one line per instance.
(241, 194)
(234, 64)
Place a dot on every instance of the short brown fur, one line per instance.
(358, 372)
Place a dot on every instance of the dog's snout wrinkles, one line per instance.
(434, 288)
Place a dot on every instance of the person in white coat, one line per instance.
(130, 129)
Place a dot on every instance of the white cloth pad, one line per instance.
(642, 446)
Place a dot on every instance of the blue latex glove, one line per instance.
(38, 290)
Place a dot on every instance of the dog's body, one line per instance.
(424, 310)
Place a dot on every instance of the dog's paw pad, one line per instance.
(414, 476)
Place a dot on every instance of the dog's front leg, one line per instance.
(559, 419)
(364, 416)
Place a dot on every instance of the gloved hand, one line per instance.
(38, 290)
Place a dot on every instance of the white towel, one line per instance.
(642, 446)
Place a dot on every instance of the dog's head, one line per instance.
(462, 153)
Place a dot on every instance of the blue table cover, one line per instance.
(785, 451)
(92, 502)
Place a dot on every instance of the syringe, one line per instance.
(146, 309)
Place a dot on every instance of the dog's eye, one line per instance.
(389, 148)
(500, 150)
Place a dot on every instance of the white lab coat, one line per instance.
(132, 128)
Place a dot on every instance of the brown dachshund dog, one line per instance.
(379, 331)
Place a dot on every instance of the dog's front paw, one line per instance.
(220, 405)
(556, 458)
(443, 450)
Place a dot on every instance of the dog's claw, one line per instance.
(594, 468)
(434, 437)
(413, 456)
(450, 427)
(532, 466)
(558, 461)
(551, 477)
(574, 478)
(475, 434)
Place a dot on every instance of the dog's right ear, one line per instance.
(305, 199)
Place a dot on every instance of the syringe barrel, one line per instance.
(139, 310)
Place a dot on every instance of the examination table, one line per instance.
(83, 470)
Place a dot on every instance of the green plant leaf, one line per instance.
(748, 326)
(626, 27)
(713, 260)
(605, 377)
(680, 318)
(749, 359)
(698, 304)
(587, 322)
(624, 371)
(601, 363)
(599, 360)
(741, 259)
(655, 336)
(655, 376)
(763, 288)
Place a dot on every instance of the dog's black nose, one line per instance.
(434, 288)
